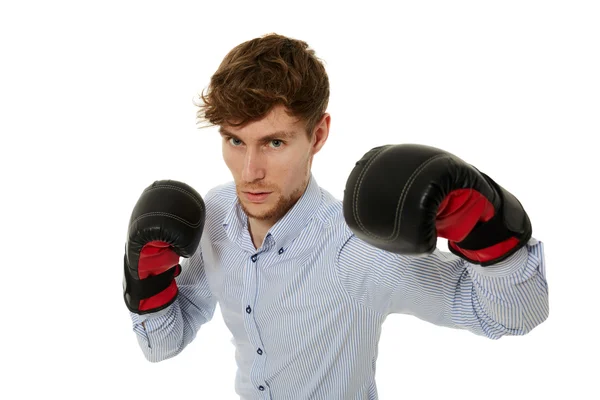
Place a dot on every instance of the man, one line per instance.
(305, 281)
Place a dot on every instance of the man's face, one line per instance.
(270, 161)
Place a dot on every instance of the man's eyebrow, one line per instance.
(267, 138)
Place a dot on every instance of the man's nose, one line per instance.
(254, 168)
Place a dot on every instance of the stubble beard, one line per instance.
(279, 209)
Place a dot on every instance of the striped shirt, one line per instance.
(306, 308)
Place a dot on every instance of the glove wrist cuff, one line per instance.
(152, 293)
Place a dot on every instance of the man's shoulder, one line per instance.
(221, 192)
(331, 213)
(219, 200)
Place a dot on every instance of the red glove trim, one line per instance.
(157, 257)
(489, 253)
(460, 211)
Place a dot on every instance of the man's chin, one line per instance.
(258, 211)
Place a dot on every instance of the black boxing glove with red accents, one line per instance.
(166, 223)
(401, 198)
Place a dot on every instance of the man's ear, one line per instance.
(321, 133)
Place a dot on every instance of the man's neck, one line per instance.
(258, 230)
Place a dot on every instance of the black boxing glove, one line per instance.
(401, 198)
(166, 223)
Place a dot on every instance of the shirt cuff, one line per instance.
(138, 319)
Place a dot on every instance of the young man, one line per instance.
(304, 280)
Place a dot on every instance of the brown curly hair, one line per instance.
(261, 73)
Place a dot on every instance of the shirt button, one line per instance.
(254, 258)
(261, 388)
(248, 310)
(259, 351)
(281, 250)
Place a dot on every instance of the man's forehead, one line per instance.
(258, 134)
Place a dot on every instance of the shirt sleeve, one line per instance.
(507, 298)
(164, 334)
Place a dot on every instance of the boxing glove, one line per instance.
(166, 223)
(401, 198)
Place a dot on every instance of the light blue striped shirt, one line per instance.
(306, 308)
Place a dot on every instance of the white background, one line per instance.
(96, 103)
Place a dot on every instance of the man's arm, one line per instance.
(164, 334)
(401, 198)
(509, 298)
(168, 301)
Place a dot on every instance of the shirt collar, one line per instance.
(288, 227)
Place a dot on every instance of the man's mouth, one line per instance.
(256, 197)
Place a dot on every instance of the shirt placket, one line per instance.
(251, 279)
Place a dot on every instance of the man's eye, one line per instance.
(276, 143)
(235, 142)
